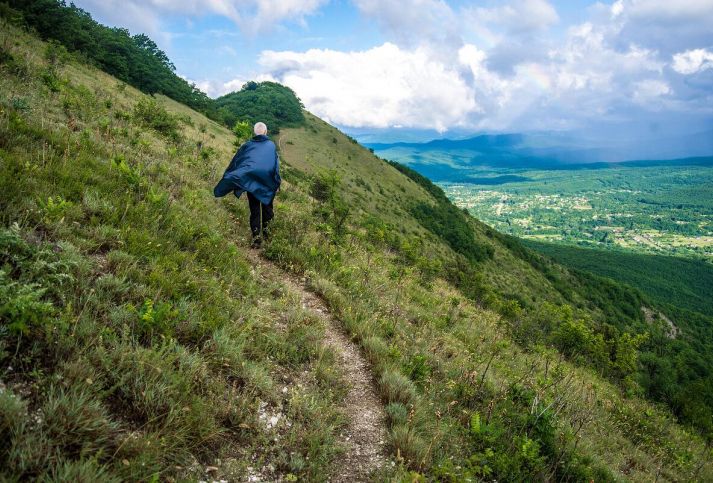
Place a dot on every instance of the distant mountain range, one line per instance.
(445, 159)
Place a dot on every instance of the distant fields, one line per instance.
(665, 210)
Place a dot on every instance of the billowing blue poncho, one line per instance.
(255, 168)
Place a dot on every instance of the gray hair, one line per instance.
(260, 128)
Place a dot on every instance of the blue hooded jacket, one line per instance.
(255, 168)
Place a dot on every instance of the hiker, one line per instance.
(255, 168)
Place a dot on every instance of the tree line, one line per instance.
(138, 61)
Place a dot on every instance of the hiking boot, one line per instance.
(257, 242)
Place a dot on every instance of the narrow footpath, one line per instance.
(364, 438)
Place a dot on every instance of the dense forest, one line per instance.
(679, 281)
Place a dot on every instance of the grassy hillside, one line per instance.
(137, 341)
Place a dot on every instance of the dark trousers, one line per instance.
(260, 215)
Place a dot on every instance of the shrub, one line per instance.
(396, 388)
(51, 80)
(331, 208)
(148, 113)
(76, 423)
(155, 318)
(243, 131)
(22, 305)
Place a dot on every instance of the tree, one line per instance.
(144, 42)
(243, 131)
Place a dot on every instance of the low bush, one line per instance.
(151, 114)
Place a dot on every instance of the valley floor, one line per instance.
(665, 210)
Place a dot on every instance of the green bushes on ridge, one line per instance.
(449, 223)
(274, 104)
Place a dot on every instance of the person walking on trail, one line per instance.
(254, 169)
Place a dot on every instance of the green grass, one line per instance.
(136, 341)
(131, 313)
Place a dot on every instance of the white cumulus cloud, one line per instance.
(380, 87)
(692, 61)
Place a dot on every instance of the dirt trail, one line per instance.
(364, 439)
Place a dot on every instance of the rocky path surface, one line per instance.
(364, 439)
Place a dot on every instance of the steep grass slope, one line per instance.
(138, 343)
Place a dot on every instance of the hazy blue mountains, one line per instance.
(446, 159)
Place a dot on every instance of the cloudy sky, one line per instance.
(486, 66)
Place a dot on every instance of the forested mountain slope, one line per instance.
(138, 341)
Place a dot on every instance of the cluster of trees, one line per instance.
(612, 352)
(139, 62)
(624, 345)
(272, 103)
